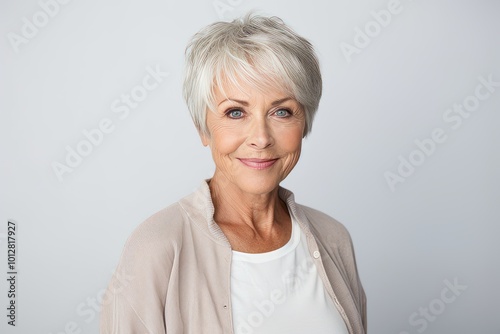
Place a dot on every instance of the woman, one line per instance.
(238, 255)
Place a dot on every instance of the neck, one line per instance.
(263, 213)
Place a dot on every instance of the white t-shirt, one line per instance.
(281, 292)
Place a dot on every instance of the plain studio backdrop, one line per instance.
(95, 137)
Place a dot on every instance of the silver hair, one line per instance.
(261, 51)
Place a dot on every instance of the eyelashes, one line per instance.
(237, 113)
(287, 113)
(231, 113)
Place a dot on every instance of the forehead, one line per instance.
(248, 90)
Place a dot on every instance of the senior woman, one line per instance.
(239, 255)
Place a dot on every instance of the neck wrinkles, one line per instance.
(232, 206)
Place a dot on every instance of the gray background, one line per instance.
(440, 224)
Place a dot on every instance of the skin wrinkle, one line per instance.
(235, 72)
(247, 206)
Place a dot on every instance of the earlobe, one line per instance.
(204, 138)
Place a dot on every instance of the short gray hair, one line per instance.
(262, 51)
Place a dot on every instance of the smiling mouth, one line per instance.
(258, 163)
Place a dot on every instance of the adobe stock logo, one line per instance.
(88, 310)
(30, 28)
(363, 37)
(293, 281)
(454, 118)
(436, 307)
(223, 6)
(122, 106)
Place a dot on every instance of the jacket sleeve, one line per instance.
(362, 294)
(354, 280)
(134, 301)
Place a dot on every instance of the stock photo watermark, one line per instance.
(88, 310)
(292, 281)
(121, 107)
(453, 117)
(421, 318)
(363, 36)
(32, 25)
(223, 6)
(11, 237)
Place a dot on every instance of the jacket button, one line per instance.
(316, 254)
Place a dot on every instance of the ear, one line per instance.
(205, 139)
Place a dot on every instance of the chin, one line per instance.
(257, 185)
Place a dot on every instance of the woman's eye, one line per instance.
(235, 113)
(282, 113)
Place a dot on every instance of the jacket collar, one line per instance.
(199, 206)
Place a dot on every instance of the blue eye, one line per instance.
(282, 113)
(236, 113)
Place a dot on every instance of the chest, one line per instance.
(281, 292)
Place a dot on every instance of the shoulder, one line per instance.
(153, 245)
(325, 226)
(151, 249)
(328, 232)
(166, 221)
(137, 289)
(158, 232)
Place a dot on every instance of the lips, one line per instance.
(258, 163)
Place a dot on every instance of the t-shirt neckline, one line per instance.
(275, 254)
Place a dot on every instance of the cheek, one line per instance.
(225, 139)
(290, 138)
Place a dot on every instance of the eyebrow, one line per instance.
(245, 103)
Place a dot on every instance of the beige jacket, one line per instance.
(175, 271)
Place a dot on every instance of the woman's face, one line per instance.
(255, 137)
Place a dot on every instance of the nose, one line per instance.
(260, 136)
